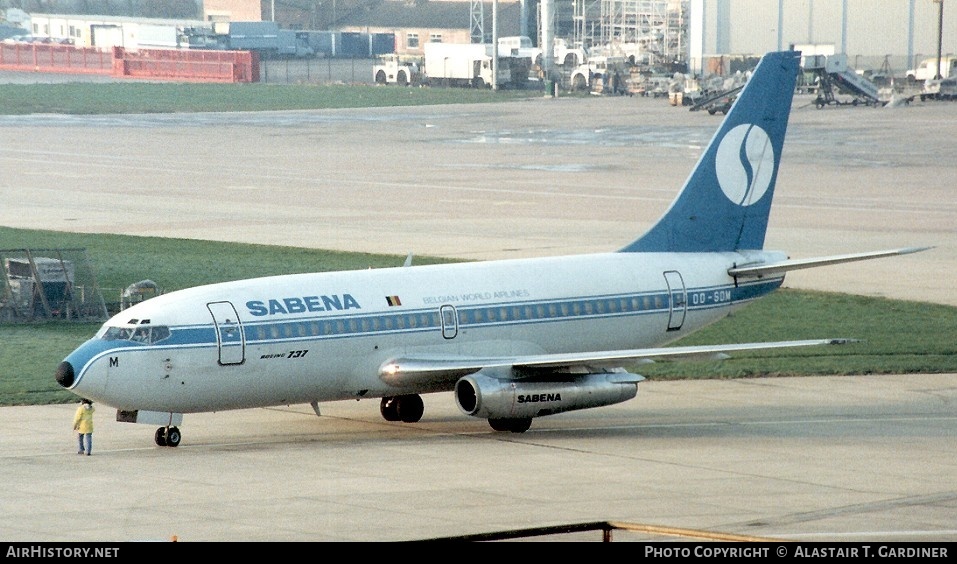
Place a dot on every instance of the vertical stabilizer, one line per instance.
(725, 203)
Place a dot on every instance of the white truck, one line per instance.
(568, 55)
(468, 65)
(521, 46)
(600, 74)
(396, 69)
(926, 69)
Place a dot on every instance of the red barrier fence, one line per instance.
(187, 64)
(45, 57)
(160, 64)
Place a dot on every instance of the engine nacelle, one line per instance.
(492, 398)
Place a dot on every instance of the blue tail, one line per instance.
(725, 203)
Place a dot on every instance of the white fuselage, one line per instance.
(320, 337)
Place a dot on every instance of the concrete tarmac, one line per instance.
(859, 459)
(529, 178)
(865, 458)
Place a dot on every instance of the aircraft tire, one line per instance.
(498, 424)
(512, 425)
(173, 436)
(389, 408)
(520, 425)
(410, 408)
(160, 436)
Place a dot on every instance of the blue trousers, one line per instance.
(89, 442)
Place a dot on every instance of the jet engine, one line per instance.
(505, 399)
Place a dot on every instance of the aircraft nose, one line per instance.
(65, 375)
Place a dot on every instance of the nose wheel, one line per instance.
(167, 436)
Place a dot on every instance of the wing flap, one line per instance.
(439, 369)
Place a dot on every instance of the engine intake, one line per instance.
(492, 398)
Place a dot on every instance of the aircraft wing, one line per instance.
(767, 269)
(432, 369)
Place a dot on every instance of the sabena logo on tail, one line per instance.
(725, 203)
(744, 164)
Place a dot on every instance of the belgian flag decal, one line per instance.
(393, 300)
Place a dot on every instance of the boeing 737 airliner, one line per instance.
(513, 339)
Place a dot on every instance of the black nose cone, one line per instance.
(64, 374)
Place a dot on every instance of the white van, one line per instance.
(925, 70)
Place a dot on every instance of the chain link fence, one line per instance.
(47, 284)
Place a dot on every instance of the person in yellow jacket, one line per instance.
(83, 425)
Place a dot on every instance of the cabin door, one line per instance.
(677, 300)
(450, 321)
(229, 333)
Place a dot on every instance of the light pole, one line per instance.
(940, 35)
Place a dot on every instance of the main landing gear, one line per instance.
(407, 409)
(167, 436)
(519, 425)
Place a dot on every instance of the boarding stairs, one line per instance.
(833, 74)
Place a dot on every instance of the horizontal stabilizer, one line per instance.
(432, 369)
(768, 269)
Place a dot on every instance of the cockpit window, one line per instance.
(143, 334)
(116, 334)
(160, 332)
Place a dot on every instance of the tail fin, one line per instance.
(725, 203)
